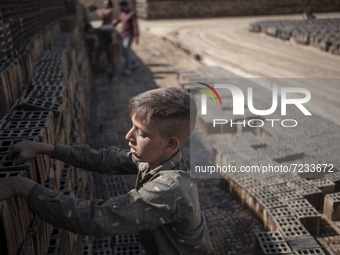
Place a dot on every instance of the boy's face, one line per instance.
(147, 145)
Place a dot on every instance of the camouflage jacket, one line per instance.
(163, 207)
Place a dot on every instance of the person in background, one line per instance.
(106, 13)
(129, 32)
(102, 41)
(308, 14)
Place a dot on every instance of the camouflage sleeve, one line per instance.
(152, 206)
(110, 160)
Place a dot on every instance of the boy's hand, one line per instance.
(15, 186)
(28, 150)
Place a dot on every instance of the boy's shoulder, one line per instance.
(174, 178)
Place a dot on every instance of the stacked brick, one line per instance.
(320, 33)
(289, 203)
(15, 219)
(20, 21)
(26, 28)
(165, 9)
(119, 245)
(283, 208)
(45, 85)
(332, 206)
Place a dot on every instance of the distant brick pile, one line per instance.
(161, 9)
(320, 33)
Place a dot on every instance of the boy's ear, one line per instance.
(173, 144)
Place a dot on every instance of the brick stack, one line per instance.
(332, 206)
(44, 91)
(289, 203)
(320, 33)
(165, 9)
(26, 27)
(284, 209)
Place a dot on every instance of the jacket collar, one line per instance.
(167, 165)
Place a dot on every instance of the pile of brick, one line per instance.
(294, 206)
(320, 33)
(21, 21)
(44, 91)
(26, 28)
(160, 9)
(288, 205)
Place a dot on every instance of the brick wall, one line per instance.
(45, 84)
(160, 9)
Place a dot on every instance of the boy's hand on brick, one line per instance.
(15, 186)
(28, 150)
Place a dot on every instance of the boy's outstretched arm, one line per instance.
(28, 150)
(153, 205)
(110, 160)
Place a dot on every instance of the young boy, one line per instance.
(163, 207)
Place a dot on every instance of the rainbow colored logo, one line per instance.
(209, 93)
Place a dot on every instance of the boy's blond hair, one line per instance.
(172, 110)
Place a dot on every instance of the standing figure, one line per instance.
(129, 32)
(104, 38)
(106, 13)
